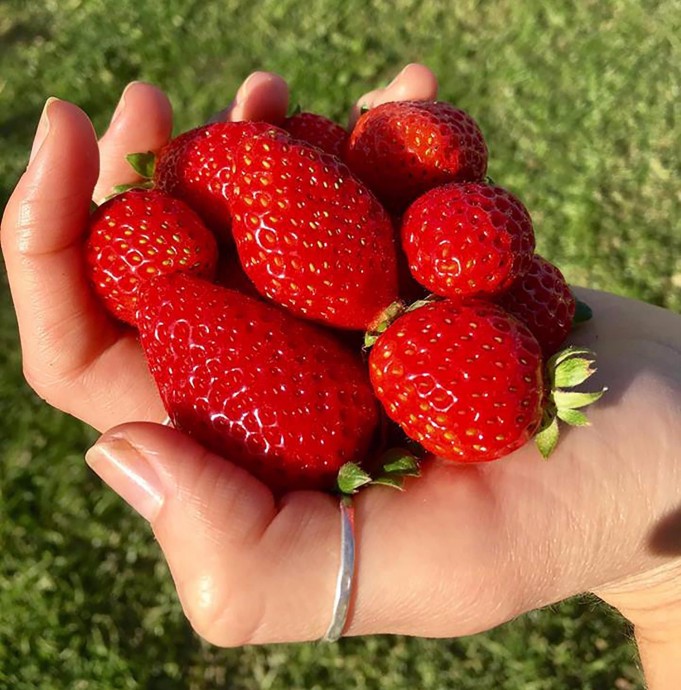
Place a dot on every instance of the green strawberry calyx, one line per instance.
(565, 370)
(144, 164)
(389, 315)
(396, 465)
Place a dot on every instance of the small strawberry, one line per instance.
(463, 380)
(140, 234)
(403, 149)
(467, 239)
(197, 168)
(310, 236)
(543, 301)
(318, 131)
(278, 396)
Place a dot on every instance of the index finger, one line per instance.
(415, 82)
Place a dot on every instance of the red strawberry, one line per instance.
(309, 235)
(543, 301)
(467, 239)
(463, 380)
(197, 168)
(403, 149)
(318, 131)
(278, 396)
(140, 234)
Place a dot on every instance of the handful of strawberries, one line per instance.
(252, 256)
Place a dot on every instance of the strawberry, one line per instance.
(463, 380)
(468, 239)
(197, 168)
(278, 396)
(543, 301)
(140, 234)
(403, 149)
(309, 235)
(318, 131)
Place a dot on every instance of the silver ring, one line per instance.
(167, 422)
(346, 572)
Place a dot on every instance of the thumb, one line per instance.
(246, 570)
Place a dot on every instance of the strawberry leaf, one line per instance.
(583, 312)
(572, 372)
(547, 438)
(399, 461)
(392, 482)
(351, 477)
(296, 110)
(571, 400)
(573, 417)
(121, 188)
(143, 164)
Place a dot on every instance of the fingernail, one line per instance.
(125, 469)
(121, 103)
(397, 78)
(243, 90)
(41, 130)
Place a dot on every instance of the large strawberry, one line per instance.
(309, 235)
(468, 239)
(137, 235)
(196, 167)
(467, 381)
(403, 149)
(543, 301)
(276, 395)
(319, 131)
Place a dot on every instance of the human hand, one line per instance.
(74, 355)
(464, 548)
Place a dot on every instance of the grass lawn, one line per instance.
(579, 103)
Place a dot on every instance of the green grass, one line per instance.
(580, 107)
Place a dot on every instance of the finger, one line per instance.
(264, 96)
(415, 82)
(62, 327)
(143, 121)
(235, 560)
(42, 230)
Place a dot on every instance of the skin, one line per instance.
(478, 545)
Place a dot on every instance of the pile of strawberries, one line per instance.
(253, 257)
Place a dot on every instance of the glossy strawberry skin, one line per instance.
(196, 167)
(403, 149)
(318, 131)
(463, 380)
(137, 235)
(543, 301)
(278, 396)
(309, 235)
(469, 239)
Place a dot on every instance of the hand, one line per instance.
(75, 356)
(464, 548)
